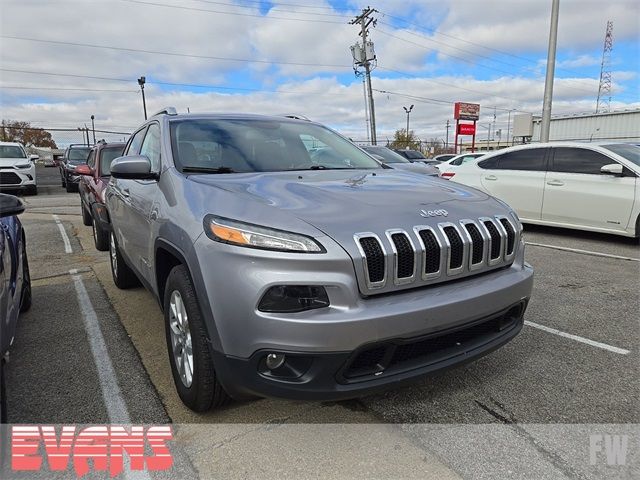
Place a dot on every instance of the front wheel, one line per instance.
(189, 349)
(70, 187)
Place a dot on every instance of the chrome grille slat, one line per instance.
(432, 254)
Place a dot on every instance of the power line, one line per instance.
(173, 54)
(236, 13)
(13, 87)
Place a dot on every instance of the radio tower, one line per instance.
(603, 104)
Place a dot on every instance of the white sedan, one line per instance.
(583, 186)
(448, 168)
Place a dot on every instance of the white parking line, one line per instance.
(65, 238)
(111, 394)
(113, 400)
(586, 252)
(577, 338)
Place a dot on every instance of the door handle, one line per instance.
(491, 177)
(555, 183)
(125, 192)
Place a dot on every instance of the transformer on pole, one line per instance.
(603, 103)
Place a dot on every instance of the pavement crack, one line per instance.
(509, 419)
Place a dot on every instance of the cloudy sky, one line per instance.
(63, 60)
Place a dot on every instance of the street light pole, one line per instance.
(93, 128)
(141, 82)
(408, 111)
(551, 65)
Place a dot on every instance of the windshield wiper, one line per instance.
(208, 170)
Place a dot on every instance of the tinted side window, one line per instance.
(134, 145)
(91, 160)
(529, 159)
(151, 146)
(489, 163)
(579, 160)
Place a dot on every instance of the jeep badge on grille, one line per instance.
(433, 213)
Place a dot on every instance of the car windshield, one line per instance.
(625, 150)
(389, 156)
(413, 155)
(79, 155)
(106, 157)
(261, 145)
(11, 151)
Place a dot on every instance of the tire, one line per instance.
(123, 276)
(202, 391)
(70, 187)
(86, 216)
(25, 301)
(100, 236)
(3, 410)
(32, 190)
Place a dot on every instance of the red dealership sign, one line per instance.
(466, 111)
(466, 129)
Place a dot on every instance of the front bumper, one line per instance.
(17, 179)
(371, 368)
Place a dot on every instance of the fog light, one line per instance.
(293, 298)
(275, 360)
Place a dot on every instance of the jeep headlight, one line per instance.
(23, 165)
(255, 236)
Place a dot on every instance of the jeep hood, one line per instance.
(341, 203)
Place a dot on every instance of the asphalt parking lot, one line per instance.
(530, 406)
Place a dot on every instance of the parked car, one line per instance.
(74, 155)
(94, 177)
(49, 162)
(449, 167)
(17, 169)
(280, 276)
(15, 282)
(391, 159)
(585, 186)
(412, 155)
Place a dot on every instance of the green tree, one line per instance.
(24, 133)
(402, 140)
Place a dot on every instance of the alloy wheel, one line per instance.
(181, 338)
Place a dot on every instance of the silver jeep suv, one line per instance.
(282, 276)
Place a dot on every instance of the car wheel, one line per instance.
(100, 236)
(86, 216)
(189, 349)
(33, 190)
(25, 301)
(122, 275)
(70, 187)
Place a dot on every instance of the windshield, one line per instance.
(389, 156)
(11, 151)
(78, 155)
(413, 155)
(106, 157)
(256, 145)
(625, 150)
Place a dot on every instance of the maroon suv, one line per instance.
(93, 182)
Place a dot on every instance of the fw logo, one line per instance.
(609, 448)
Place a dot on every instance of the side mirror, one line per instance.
(84, 170)
(10, 205)
(33, 158)
(612, 169)
(134, 167)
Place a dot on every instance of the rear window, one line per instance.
(106, 157)
(413, 155)
(532, 159)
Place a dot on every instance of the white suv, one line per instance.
(17, 169)
(584, 186)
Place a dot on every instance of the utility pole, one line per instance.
(364, 56)
(508, 127)
(141, 82)
(408, 112)
(366, 110)
(603, 103)
(551, 65)
(447, 142)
